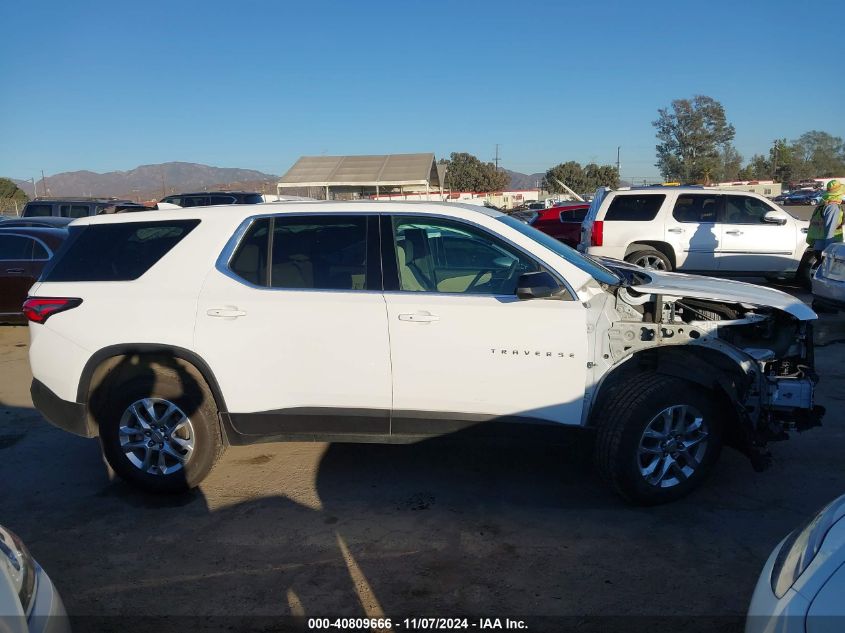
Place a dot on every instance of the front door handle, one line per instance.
(734, 232)
(14, 271)
(225, 313)
(419, 317)
(679, 230)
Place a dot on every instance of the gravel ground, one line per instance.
(441, 528)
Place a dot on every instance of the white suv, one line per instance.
(692, 229)
(172, 336)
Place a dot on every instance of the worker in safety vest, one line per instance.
(826, 223)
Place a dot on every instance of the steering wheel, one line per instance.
(478, 277)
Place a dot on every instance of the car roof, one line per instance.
(28, 221)
(213, 193)
(236, 213)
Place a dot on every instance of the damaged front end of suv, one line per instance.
(752, 346)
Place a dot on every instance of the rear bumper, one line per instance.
(69, 416)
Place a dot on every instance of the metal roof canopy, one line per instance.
(360, 171)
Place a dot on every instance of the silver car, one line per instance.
(802, 587)
(29, 603)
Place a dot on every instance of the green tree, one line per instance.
(691, 134)
(464, 172)
(819, 154)
(730, 164)
(12, 197)
(580, 179)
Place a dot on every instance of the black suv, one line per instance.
(73, 207)
(208, 198)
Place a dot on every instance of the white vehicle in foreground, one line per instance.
(691, 229)
(172, 336)
(829, 279)
(802, 587)
(29, 603)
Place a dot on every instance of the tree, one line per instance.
(691, 134)
(464, 172)
(730, 163)
(12, 197)
(819, 154)
(580, 179)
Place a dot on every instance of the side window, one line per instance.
(320, 252)
(435, 255)
(38, 210)
(15, 247)
(223, 200)
(745, 210)
(697, 208)
(250, 260)
(634, 208)
(39, 252)
(173, 200)
(573, 216)
(74, 211)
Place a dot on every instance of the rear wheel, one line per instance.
(650, 259)
(159, 431)
(658, 438)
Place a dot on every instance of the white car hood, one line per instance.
(680, 285)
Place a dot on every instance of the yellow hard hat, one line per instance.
(835, 190)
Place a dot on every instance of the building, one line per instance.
(768, 188)
(354, 177)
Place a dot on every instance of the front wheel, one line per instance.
(807, 268)
(658, 438)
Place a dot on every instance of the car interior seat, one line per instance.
(412, 256)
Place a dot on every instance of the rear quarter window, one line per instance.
(116, 252)
(38, 210)
(640, 208)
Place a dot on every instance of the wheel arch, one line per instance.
(657, 245)
(99, 367)
(708, 368)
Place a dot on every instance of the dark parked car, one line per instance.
(209, 198)
(562, 222)
(24, 252)
(72, 207)
(47, 222)
(804, 197)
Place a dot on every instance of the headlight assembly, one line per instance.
(21, 567)
(800, 548)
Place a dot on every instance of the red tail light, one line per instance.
(39, 309)
(597, 236)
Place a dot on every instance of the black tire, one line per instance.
(622, 421)
(636, 256)
(809, 262)
(177, 384)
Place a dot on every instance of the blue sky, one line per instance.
(112, 85)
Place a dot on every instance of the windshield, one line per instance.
(589, 266)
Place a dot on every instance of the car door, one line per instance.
(292, 322)
(752, 245)
(693, 231)
(18, 270)
(464, 349)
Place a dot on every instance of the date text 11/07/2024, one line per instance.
(431, 624)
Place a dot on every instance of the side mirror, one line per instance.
(775, 217)
(539, 285)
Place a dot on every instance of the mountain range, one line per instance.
(151, 182)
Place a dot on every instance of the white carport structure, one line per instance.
(362, 176)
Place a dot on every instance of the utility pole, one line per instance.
(775, 148)
(496, 159)
(44, 188)
(34, 188)
(618, 148)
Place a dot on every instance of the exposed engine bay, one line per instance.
(760, 357)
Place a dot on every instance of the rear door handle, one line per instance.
(419, 317)
(14, 270)
(674, 230)
(225, 313)
(734, 232)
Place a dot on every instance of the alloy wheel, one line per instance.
(156, 436)
(672, 446)
(650, 262)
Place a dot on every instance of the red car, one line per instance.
(562, 222)
(24, 252)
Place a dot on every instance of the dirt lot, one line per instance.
(436, 529)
